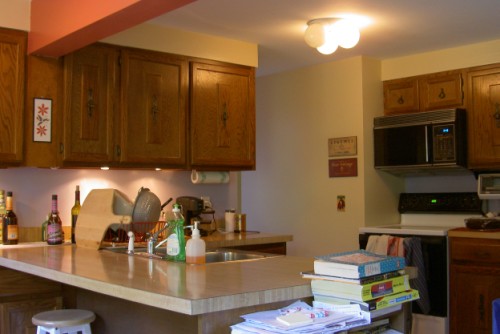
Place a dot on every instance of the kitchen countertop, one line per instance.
(219, 239)
(463, 232)
(187, 289)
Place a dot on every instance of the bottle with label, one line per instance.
(75, 211)
(10, 227)
(2, 213)
(176, 243)
(195, 247)
(54, 226)
(44, 228)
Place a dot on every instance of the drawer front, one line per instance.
(477, 250)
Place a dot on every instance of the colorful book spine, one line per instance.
(361, 292)
(363, 280)
(375, 304)
(357, 264)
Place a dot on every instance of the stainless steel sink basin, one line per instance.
(216, 256)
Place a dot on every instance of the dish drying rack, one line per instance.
(142, 230)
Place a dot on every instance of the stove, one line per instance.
(429, 217)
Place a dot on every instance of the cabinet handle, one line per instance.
(118, 150)
(154, 107)
(401, 100)
(225, 115)
(90, 102)
(442, 94)
(496, 115)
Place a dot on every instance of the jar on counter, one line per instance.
(241, 223)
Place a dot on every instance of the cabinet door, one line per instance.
(442, 90)
(472, 290)
(15, 316)
(90, 85)
(12, 64)
(483, 112)
(154, 108)
(401, 96)
(222, 116)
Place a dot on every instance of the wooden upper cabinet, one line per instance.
(483, 111)
(90, 94)
(401, 96)
(423, 93)
(222, 120)
(12, 71)
(154, 100)
(43, 80)
(441, 90)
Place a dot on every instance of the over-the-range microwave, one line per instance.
(431, 142)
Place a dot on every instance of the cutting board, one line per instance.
(102, 209)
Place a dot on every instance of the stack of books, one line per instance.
(377, 283)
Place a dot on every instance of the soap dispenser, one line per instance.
(195, 247)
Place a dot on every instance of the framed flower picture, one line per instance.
(42, 120)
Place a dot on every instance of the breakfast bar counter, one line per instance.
(213, 294)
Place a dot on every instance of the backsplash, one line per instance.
(32, 189)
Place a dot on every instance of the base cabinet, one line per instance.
(474, 284)
(22, 296)
(16, 316)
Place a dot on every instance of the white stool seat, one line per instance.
(67, 321)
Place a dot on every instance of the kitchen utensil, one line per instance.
(147, 206)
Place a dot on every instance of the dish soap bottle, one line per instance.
(195, 247)
(176, 243)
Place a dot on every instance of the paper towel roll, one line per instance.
(209, 177)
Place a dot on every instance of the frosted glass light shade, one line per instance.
(327, 34)
(347, 33)
(315, 35)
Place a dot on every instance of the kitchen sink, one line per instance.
(215, 256)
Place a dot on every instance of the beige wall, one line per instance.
(291, 191)
(442, 60)
(148, 36)
(15, 14)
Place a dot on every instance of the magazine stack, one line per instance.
(377, 283)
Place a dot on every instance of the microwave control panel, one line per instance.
(444, 143)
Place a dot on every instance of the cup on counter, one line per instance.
(229, 220)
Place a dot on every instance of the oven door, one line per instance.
(435, 256)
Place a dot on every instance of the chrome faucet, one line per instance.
(154, 238)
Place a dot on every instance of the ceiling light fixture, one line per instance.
(327, 34)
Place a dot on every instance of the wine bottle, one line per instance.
(2, 214)
(10, 227)
(54, 226)
(75, 211)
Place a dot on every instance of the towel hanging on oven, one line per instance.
(411, 249)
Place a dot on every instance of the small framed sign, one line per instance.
(42, 120)
(343, 146)
(343, 167)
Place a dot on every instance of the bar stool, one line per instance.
(66, 321)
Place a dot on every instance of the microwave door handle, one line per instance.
(426, 144)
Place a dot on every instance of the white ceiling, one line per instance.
(398, 27)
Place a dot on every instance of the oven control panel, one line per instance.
(440, 202)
